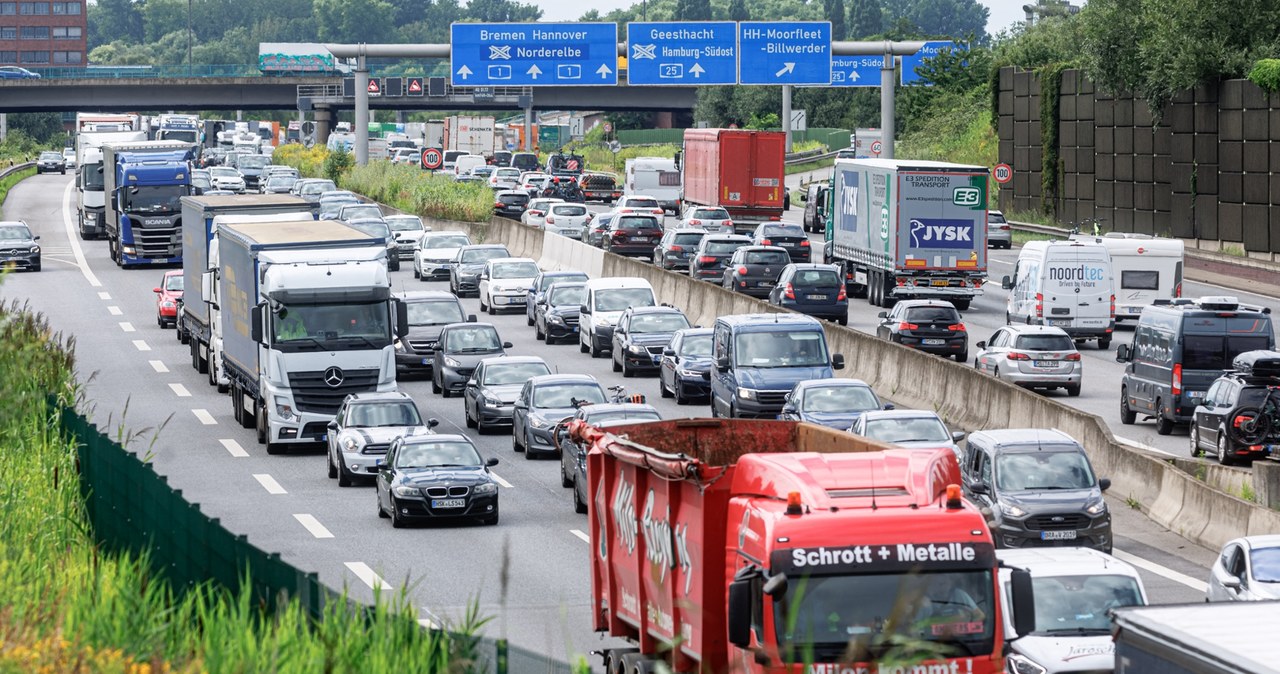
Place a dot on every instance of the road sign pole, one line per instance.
(362, 110)
(528, 127)
(786, 116)
(886, 106)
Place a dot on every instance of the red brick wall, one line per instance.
(12, 48)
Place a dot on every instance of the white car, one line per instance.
(504, 178)
(1247, 569)
(537, 210)
(435, 250)
(639, 203)
(529, 181)
(505, 283)
(567, 219)
(404, 155)
(226, 178)
(69, 156)
(408, 230)
(707, 218)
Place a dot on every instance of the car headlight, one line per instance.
(486, 488)
(555, 318)
(35, 249)
(638, 350)
(284, 409)
(349, 444)
(689, 373)
(605, 322)
(406, 492)
(538, 422)
(490, 400)
(1097, 508)
(1021, 664)
(1012, 510)
(92, 215)
(746, 393)
(451, 362)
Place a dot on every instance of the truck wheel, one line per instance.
(236, 406)
(614, 660)
(1104, 343)
(260, 425)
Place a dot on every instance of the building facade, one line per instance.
(43, 34)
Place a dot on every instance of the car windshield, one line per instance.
(932, 315)
(822, 616)
(513, 199)
(782, 231)
(371, 227)
(1043, 469)
(155, 198)
(658, 323)
(711, 214)
(173, 282)
(840, 399)
(446, 241)
(483, 254)
(1075, 604)
(54, 156)
(332, 326)
(405, 223)
(437, 455)
(906, 429)
(1045, 343)
(1215, 352)
(507, 173)
(555, 396)
(14, 233)
(370, 415)
(642, 203)
(722, 247)
(434, 312)
(776, 348)
(1266, 564)
(281, 181)
(478, 339)
(767, 257)
(546, 280)
(253, 162)
(622, 415)
(501, 374)
(222, 172)
(361, 211)
(627, 222)
(568, 209)
(995, 218)
(619, 299)
(508, 270)
(697, 346)
(318, 187)
(571, 296)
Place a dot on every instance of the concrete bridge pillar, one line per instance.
(401, 116)
(324, 124)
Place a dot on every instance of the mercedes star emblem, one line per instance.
(333, 377)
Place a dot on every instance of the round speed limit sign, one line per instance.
(432, 159)
(1003, 173)
(876, 147)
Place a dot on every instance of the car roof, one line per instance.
(815, 266)
(926, 303)
(12, 223)
(872, 415)
(695, 332)
(727, 237)
(469, 325)
(449, 232)
(602, 408)
(562, 379)
(1027, 438)
(1260, 541)
(514, 359)
(497, 260)
(619, 282)
(478, 246)
(1036, 330)
(379, 396)
(173, 272)
(739, 320)
(551, 273)
(1072, 561)
(402, 216)
(640, 311)
(435, 437)
(519, 192)
(763, 249)
(427, 295)
(832, 383)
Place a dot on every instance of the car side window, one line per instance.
(524, 394)
(1235, 562)
(984, 467)
(1211, 397)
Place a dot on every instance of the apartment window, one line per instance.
(8, 57)
(66, 8)
(66, 57)
(8, 33)
(8, 8)
(34, 8)
(35, 57)
(66, 32)
(35, 32)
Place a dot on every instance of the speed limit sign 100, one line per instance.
(1003, 173)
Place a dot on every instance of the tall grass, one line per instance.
(66, 605)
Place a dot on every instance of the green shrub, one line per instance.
(1266, 74)
(336, 164)
(413, 190)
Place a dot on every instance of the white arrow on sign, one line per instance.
(603, 71)
(786, 68)
(464, 72)
(853, 76)
(534, 71)
(697, 70)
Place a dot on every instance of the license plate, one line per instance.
(786, 244)
(1045, 363)
(940, 284)
(1058, 535)
(575, 328)
(461, 503)
(1059, 321)
(640, 238)
(765, 284)
(1134, 310)
(1197, 395)
(426, 361)
(656, 358)
(933, 342)
(815, 297)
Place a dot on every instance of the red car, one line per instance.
(167, 296)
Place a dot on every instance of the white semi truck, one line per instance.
(90, 195)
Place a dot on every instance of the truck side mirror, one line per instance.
(722, 363)
(740, 612)
(402, 318)
(1006, 283)
(837, 361)
(433, 422)
(1024, 602)
(255, 323)
(584, 309)
(1122, 353)
(804, 197)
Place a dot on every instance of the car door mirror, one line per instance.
(471, 383)
(888, 406)
(957, 436)
(1231, 583)
(36, 237)
(981, 345)
(882, 314)
(979, 488)
(668, 351)
(1122, 353)
(155, 290)
(584, 309)
(506, 345)
(1104, 483)
(722, 363)
(1006, 283)
(484, 276)
(491, 462)
(332, 426)
(471, 318)
(837, 361)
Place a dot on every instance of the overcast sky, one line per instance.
(1003, 12)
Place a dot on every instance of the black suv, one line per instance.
(1239, 418)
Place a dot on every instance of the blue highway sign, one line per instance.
(534, 54)
(691, 53)
(856, 71)
(928, 51)
(784, 52)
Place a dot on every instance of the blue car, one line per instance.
(685, 369)
(16, 73)
(834, 403)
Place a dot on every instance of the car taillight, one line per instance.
(956, 327)
(695, 221)
(742, 271)
(804, 244)
(1177, 379)
(551, 220)
(677, 249)
(775, 218)
(1113, 306)
(706, 259)
(908, 326)
(497, 204)
(1018, 355)
(766, 242)
(535, 212)
(658, 211)
(1039, 305)
(789, 292)
(1074, 357)
(1177, 290)
(843, 294)
(619, 234)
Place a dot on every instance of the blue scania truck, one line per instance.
(144, 184)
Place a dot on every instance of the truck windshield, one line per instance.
(868, 614)
(333, 326)
(92, 177)
(184, 136)
(802, 348)
(155, 198)
(1076, 604)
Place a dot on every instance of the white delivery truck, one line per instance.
(1145, 268)
(90, 180)
(1065, 284)
(655, 177)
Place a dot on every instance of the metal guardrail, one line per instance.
(5, 172)
(808, 156)
(335, 91)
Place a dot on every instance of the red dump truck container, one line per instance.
(770, 546)
(737, 169)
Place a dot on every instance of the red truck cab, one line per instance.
(772, 546)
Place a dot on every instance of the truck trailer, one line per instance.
(470, 135)
(200, 217)
(306, 318)
(739, 170)
(909, 229)
(774, 546)
(90, 197)
(143, 185)
(1214, 638)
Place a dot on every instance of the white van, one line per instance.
(606, 299)
(1145, 269)
(1066, 284)
(464, 163)
(656, 177)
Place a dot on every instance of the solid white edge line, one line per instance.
(234, 448)
(204, 417)
(180, 390)
(1162, 571)
(114, 310)
(581, 534)
(141, 345)
(269, 483)
(497, 478)
(159, 366)
(74, 238)
(127, 326)
(313, 525)
(367, 575)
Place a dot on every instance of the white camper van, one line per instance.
(656, 177)
(1066, 284)
(1145, 268)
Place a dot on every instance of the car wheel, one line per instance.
(471, 422)
(515, 441)
(484, 307)
(678, 392)
(274, 448)
(596, 352)
(566, 480)
(582, 346)
(578, 506)
(35, 267)
(962, 356)
(733, 411)
(996, 372)
(417, 273)
(1164, 425)
(662, 387)
(1223, 457)
(344, 476)
(333, 470)
(381, 513)
(1104, 343)
(843, 320)
(435, 387)
(1127, 416)
(1073, 390)
(626, 371)
(528, 320)
(528, 453)
(539, 334)
(397, 521)
(1194, 436)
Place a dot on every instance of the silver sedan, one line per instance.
(999, 235)
(1034, 356)
(1247, 569)
(707, 218)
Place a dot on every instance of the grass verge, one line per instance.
(808, 166)
(68, 605)
(13, 179)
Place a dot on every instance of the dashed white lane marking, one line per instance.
(367, 576)
(141, 345)
(499, 480)
(159, 366)
(104, 296)
(581, 534)
(204, 417)
(114, 310)
(992, 260)
(235, 448)
(269, 483)
(1162, 571)
(69, 223)
(127, 326)
(180, 390)
(313, 525)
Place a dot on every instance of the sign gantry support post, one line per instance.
(362, 108)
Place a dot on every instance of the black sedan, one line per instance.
(18, 246)
(556, 314)
(459, 350)
(468, 262)
(49, 162)
(642, 334)
(544, 280)
(429, 311)
(435, 477)
(543, 402)
(834, 403)
(573, 455)
(684, 372)
(932, 326)
(633, 234)
(491, 393)
(784, 235)
(754, 270)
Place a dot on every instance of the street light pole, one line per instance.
(189, 66)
